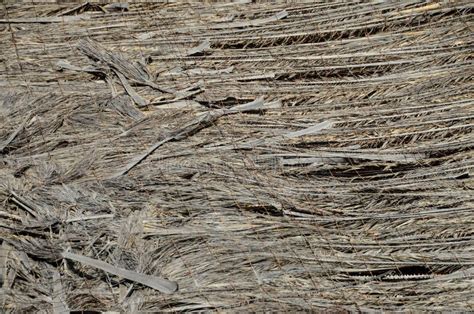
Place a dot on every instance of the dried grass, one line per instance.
(258, 157)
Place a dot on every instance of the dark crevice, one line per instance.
(415, 272)
(337, 73)
(224, 103)
(267, 210)
(407, 22)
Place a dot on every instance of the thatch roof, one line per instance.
(236, 157)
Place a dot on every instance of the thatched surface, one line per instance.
(278, 157)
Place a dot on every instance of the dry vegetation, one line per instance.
(236, 157)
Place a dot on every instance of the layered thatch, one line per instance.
(236, 157)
